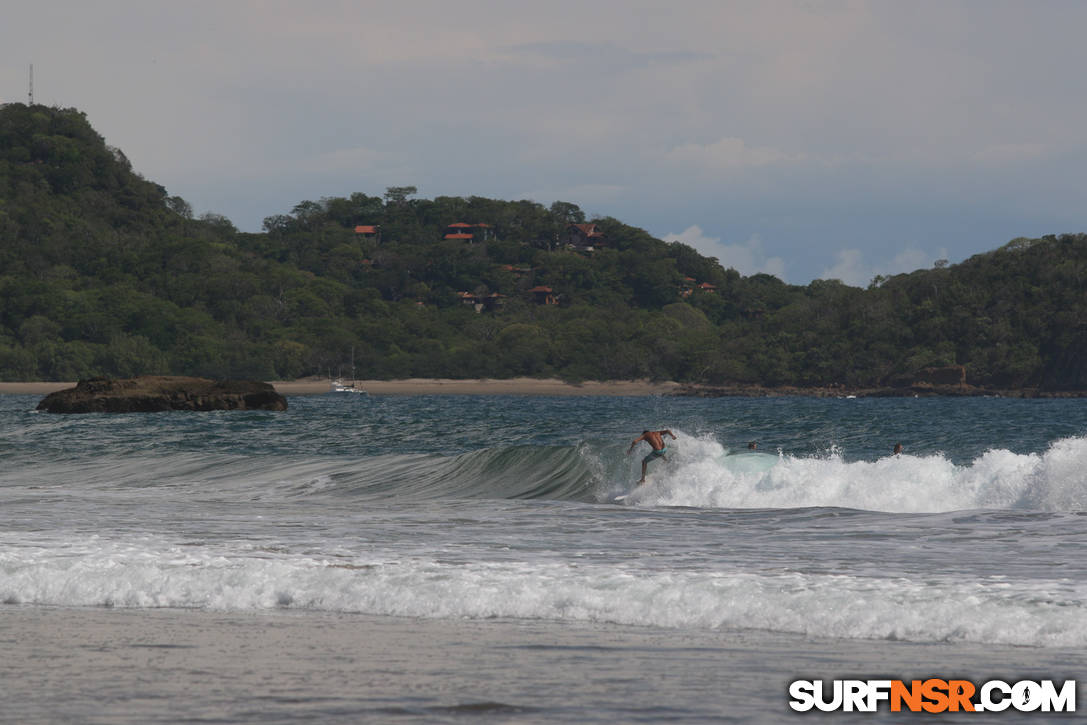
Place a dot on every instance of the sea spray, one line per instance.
(704, 476)
(974, 609)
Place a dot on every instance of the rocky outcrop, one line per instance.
(151, 394)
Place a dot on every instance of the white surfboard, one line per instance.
(624, 496)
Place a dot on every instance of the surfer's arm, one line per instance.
(637, 440)
(669, 433)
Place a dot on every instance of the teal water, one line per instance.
(861, 429)
(502, 509)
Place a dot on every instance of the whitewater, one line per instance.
(427, 515)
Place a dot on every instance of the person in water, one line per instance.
(655, 439)
(898, 449)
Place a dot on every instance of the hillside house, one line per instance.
(544, 295)
(369, 232)
(583, 236)
(469, 232)
(484, 232)
(481, 302)
(460, 230)
(516, 271)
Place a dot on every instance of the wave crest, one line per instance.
(700, 473)
(986, 610)
(705, 475)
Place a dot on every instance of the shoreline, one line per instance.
(486, 386)
(556, 387)
(429, 386)
(130, 665)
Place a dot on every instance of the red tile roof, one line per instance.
(589, 230)
(365, 229)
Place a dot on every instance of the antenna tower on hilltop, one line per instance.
(30, 95)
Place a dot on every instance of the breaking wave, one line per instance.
(704, 475)
(701, 473)
(938, 608)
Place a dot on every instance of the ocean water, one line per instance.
(432, 559)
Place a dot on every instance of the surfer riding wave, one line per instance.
(655, 439)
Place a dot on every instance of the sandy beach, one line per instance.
(429, 386)
(512, 386)
(32, 388)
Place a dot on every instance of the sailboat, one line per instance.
(339, 386)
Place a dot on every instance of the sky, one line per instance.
(808, 140)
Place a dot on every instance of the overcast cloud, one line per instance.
(804, 139)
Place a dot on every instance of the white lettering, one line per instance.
(878, 690)
(854, 695)
(802, 692)
(835, 702)
(1063, 701)
(991, 705)
(1026, 696)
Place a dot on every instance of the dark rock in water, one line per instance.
(152, 394)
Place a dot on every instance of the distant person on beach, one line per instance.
(656, 441)
(898, 448)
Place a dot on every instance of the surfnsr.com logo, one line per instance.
(932, 695)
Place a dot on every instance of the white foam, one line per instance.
(1046, 613)
(704, 476)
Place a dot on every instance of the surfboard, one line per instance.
(624, 496)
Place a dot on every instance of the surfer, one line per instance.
(898, 449)
(653, 438)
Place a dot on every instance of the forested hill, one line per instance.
(103, 272)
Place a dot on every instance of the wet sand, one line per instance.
(121, 666)
(32, 388)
